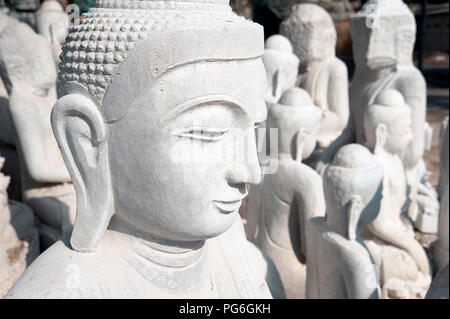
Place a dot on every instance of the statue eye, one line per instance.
(41, 92)
(202, 133)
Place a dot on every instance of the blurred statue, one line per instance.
(53, 23)
(311, 30)
(405, 268)
(383, 34)
(281, 66)
(292, 195)
(339, 264)
(19, 240)
(29, 73)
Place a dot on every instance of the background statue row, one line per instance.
(387, 115)
(29, 73)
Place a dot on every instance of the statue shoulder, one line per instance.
(51, 275)
(303, 173)
(338, 67)
(410, 79)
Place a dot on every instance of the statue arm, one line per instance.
(30, 139)
(311, 200)
(361, 283)
(338, 96)
(347, 137)
(413, 88)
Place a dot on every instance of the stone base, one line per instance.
(20, 246)
(398, 273)
(427, 223)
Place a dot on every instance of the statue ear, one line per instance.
(300, 137)
(82, 137)
(277, 89)
(354, 209)
(381, 134)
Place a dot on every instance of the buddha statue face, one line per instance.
(26, 63)
(311, 31)
(387, 123)
(383, 34)
(159, 185)
(158, 128)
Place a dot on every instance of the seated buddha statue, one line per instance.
(339, 264)
(383, 34)
(403, 263)
(293, 194)
(156, 125)
(311, 30)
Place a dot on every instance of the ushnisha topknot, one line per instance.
(175, 32)
(385, 8)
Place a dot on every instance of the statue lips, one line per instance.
(228, 207)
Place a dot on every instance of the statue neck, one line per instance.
(310, 66)
(383, 152)
(165, 263)
(285, 156)
(337, 222)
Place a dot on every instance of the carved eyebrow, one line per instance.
(201, 101)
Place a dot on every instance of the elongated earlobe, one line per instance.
(277, 89)
(381, 137)
(82, 137)
(354, 212)
(301, 137)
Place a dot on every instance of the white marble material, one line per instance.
(293, 194)
(383, 34)
(312, 33)
(387, 126)
(53, 23)
(29, 74)
(281, 66)
(153, 134)
(339, 264)
(19, 240)
(388, 63)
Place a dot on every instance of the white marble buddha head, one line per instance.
(298, 121)
(52, 22)
(311, 31)
(281, 66)
(142, 81)
(26, 62)
(353, 188)
(387, 123)
(383, 34)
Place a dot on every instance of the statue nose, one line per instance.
(249, 173)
